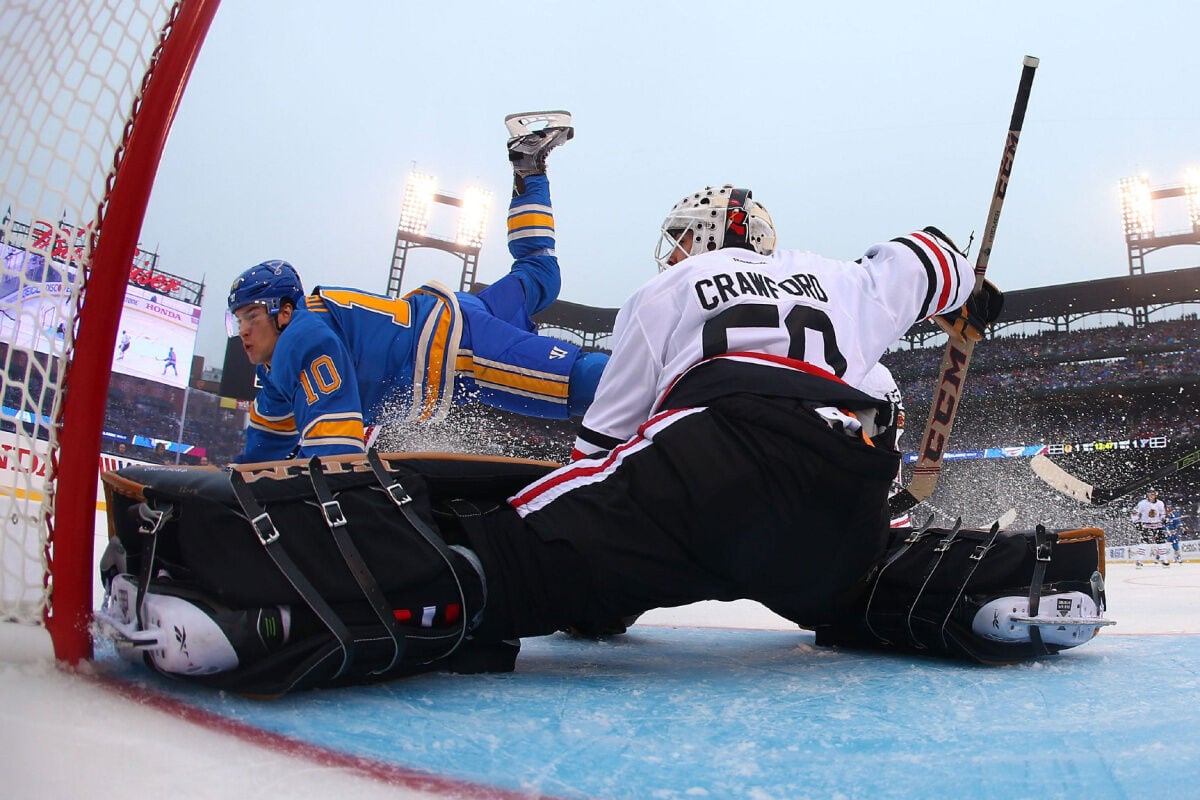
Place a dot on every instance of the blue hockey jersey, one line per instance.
(349, 356)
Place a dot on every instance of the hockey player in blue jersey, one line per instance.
(1173, 523)
(329, 361)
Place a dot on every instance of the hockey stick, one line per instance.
(957, 356)
(1005, 520)
(1084, 492)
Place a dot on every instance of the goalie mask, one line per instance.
(712, 218)
(268, 284)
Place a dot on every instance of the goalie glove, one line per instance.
(981, 309)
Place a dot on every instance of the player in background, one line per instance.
(329, 362)
(170, 362)
(1173, 524)
(124, 346)
(1147, 518)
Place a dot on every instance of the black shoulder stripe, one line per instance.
(930, 272)
(598, 439)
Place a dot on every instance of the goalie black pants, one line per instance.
(748, 497)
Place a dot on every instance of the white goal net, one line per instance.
(75, 74)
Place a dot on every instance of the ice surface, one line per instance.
(712, 700)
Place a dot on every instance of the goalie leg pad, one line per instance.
(353, 549)
(938, 591)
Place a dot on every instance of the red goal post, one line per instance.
(89, 93)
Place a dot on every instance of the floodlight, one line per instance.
(1191, 186)
(417, 207)
(1137, 207)
(473, 216)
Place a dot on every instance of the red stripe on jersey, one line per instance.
(781, 361)
(944, 297)
(588, 468)
(791, 363)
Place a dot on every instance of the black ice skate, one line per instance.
(529, 146)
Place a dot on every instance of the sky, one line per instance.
(852, 123)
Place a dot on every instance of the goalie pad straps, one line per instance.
(981, 551)
(940, 548)
(1043, 544)
(913, 537)
(403, 501)
(331, 510)
(269, 536)
(153, 521)
(925, 593)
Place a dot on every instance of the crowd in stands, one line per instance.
(1095, 385)
(141, 408)
(1064, 361)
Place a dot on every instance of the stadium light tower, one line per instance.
(421, 197)
(416, 209)
(1141, 235)
(1191, 185)
(1137, 209)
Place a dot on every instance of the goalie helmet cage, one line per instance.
(89, 93)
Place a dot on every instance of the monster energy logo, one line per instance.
(269, 627)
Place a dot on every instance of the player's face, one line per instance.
(681, 249)
(258, 332)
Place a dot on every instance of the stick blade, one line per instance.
(1060, 480)
(1005, 520)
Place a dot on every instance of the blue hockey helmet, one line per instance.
(266, 284)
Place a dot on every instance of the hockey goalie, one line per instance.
(350, 569)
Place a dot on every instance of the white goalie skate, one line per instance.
(181, 637)
(1067, 619)
(117, 619)
(527, 122)
(532, 135)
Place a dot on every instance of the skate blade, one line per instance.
(1007, 619)
(129, 640)
(520, 124)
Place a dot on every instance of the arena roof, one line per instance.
(1105, 294)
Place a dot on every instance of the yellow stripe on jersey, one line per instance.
(284, 424)
(539, 221)
(437, 349)
(395, 307)
(435, 374)
(530, 383)
(530, 219)
(328, 427)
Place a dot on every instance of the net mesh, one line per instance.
(73, 70)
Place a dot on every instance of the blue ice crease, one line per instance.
(700, 713)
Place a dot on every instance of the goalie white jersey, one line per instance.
(789, 308)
